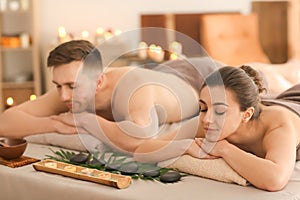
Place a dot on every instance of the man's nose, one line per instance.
(66, 94)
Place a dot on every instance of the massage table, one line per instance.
(28, 184)
(25, 183)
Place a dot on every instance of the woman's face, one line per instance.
(220, 114)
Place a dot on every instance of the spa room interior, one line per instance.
(264, 34)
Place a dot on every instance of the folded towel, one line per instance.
(77, 142)
(216, 169)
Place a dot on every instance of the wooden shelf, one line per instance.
(17, 85)
(12, 12)
(12, 49)
(17, 61)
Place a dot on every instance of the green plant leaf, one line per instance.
(112, 158)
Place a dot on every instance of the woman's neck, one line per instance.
(248, 133)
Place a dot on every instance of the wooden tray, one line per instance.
(93, 175)
(18, 162)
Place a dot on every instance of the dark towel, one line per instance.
(289, 99)
(192, 70)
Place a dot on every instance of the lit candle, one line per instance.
(9, 102)
(118, 36)
(107, 35)
(99, 31)
(176, 48)
(151, 50)
(62, 34)
(156, 53)
(118, 32)
(142, 50)
(173, 56)
(85, 35)
(99, 35)
(32, 97)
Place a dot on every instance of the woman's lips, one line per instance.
(210, 129)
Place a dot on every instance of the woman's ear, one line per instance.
(248, 114)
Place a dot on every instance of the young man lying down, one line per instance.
(122, 106)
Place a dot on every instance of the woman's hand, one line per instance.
(211, 149)
(196, 151)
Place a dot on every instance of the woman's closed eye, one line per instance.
(217, 110)
(220, 110)
(203, 108)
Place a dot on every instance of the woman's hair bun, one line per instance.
(255, 76)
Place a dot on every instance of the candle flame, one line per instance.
(62, 32)
(99, 31)
(9, 101)
(118, 32)
(32, 97)
(143, 45)
(173, 56)
(85, 34)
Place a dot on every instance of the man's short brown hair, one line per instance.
(74, 50)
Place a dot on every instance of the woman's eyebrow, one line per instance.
(201, 101)
(215, 104)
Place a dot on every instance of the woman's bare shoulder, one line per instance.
(280, 118)
(276, 113)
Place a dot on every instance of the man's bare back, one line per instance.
(135, 91)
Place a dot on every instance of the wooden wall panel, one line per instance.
(294, 29)
(273, 28)
(188, 24)
(154, 37)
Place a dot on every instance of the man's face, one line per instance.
(74, 88)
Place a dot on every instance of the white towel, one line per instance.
(216, 169)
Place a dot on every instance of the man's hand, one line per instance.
(65, 123)
(66, 118)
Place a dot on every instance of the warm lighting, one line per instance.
(156, 53)
(10, 101)
(62, 32)
(99, 31)
(62, 35)
(99, 35)
(173, 56)
(32, 97)
(118, 32)
(107, 35)
(176, 48)
(85, 35)
(152, 47)
(142, 50)
(143, 45)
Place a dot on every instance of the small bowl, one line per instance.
(15, 149)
